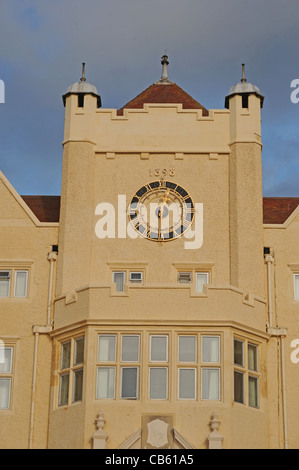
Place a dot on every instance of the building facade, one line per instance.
(155, 303)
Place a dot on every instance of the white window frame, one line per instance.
(219, 355)
(195, 352)
(26, 283)
(136, 281)
(183, 277)
(7, 375)
(257, 391)
(243, 352)
(195, 382)
(114, 384)
(115, 347)
(201, 273)
(135, 360)
(219, 383)
(149, 382)
(9, 282)
(124, 278)
(296, 294)
(137, 382)
(150, 351)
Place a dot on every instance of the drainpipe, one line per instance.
(269, 260)
(37, 330)
(285, 429)
(52, 257)
(36, 336)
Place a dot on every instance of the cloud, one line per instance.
(121, 43)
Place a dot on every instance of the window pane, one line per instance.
(187, 383)
(187, 348)
(119, 279)
(210, 384)
(158, 348)
(66, 355)
(238, 387)
(296, 286)
(158, 383)
(4, 393)
(64, 389)
(21, 283)
(79, 351)
(5, 360)
(201, 279)
(107, 348)
(253, 391)
(129, 382)
(78, 385)
(130, 349)
(106, 382)
(184, 278)
(210, 349)
(4, 283)
(252, 357)
(136, 277)
(238, 353)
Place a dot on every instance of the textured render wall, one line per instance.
(23, 242)
(284, 242)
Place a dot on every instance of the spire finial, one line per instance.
(83, 79)
(164, 63)
(243, 79)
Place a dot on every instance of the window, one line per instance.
(184, 278)
(136, 277)
(210, 376)
(158, 383)
(187, 348)
(187, 383)
(119, 280)
(201, 279)
(4, 283)
(21, 283)
(296, 286)
(109, 371)
(246, 371)
(158, 376)
(19, 279)
(71, 371)
(6, 354)
(158, 348)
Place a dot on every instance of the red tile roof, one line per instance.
(278, 209)
(170, 93)
(46, 208)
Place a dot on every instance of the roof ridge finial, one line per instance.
(243, 79)
(164, 63)
(83, 79)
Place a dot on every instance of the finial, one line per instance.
(165, 63)
(243, 79)
(83, 79)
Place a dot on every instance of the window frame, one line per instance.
(195, 383)
(26, 283)
(7, 375)
(205, 283)
(166, 368)
(71, 371)
(246, 372)
(9, 283)
(124, 280)
(151, 360)
(122, 368)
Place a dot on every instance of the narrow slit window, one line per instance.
(80, 100)
(119, 280)
(21, 278)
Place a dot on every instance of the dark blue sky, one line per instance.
(44, 42)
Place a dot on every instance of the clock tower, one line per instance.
(159, 324)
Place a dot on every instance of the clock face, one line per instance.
(161, 211)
